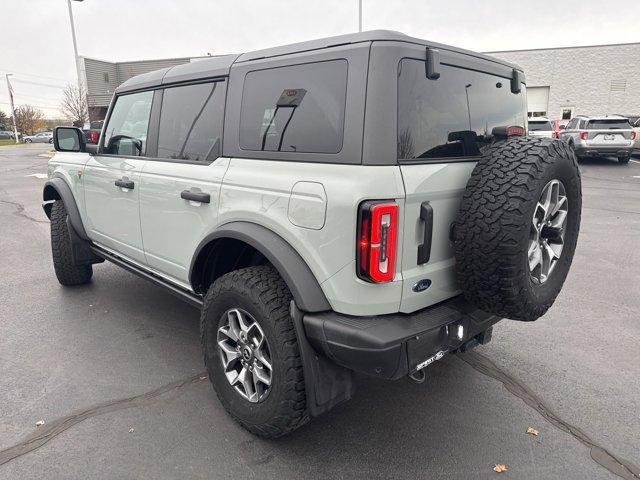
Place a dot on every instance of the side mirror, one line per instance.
(68, 139)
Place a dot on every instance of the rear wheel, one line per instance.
(251, 351)
(67, 272)
(28, 140)
(623, 160)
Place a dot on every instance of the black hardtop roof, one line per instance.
(220, 65)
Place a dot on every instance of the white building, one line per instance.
(595, 80)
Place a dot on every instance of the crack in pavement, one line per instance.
(49, 431)
(20, 212)
(613, 463)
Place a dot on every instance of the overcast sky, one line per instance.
(37, 45)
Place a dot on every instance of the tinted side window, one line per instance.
(191, 121)
(295, 109)
(454, 115)
(126, 132)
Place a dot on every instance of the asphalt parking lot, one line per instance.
(115, 372)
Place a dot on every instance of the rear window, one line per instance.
(298, 108)
(537, 126)
(454, 115)
(608, 124)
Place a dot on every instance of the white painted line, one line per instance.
(636, 176)
(38, 175)
(634, 161)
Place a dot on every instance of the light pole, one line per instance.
(13, 110)
(75, 52)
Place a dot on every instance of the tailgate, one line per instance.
(608, 138)
(439, 188)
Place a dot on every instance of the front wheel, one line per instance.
(623, 160)
(251, 351)
(28, 140)
(67, 272)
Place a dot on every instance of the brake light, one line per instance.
(377, 239)
(633, 135)
(583, 135)
(514, 130)
(93, 137)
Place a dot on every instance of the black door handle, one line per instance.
(424, 250)
(195, 196)
(124, 182)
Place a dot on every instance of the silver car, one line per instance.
(42, 137)
(606, 136)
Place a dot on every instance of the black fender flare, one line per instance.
(304, 287)
(57, 189)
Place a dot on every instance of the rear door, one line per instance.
(112, 178)
(180, 184)
(442, 124)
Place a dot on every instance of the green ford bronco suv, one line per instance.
(367, 204)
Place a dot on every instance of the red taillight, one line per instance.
(93, 137)
(514, 130)
(633, 135)
(377, 235)
(554, 134)
(583, 135)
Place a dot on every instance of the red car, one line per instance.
(558, 125)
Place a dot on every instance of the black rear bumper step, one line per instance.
(392, 346)
(189, 297)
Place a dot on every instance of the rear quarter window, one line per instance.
(454, 115)
(313, 122)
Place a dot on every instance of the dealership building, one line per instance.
(561, 82)
(595, 80)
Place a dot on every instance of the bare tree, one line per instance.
(74, 105)
(28, 120)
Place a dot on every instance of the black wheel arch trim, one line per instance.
(304, 287)
(57, 189)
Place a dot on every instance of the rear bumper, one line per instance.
(597, 151)
(392, 346)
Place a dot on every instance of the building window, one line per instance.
(106, 77)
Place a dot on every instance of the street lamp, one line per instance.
(13, 110)
(75, 50)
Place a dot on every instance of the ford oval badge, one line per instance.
(422, 285)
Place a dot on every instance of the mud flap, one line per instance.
(326, 383)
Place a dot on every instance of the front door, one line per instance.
(179, 187)
(112, 178)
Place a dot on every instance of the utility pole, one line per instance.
(75, 52)
(359, 15)
(13, 110)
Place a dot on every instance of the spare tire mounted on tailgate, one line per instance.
(517, 227)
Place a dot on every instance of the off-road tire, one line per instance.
(491, 231)
(623, 160)
(261, 292)
(67, 272)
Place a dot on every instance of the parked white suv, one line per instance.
(541, 127)
(365, 203)
(607, 136)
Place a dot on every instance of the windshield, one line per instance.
(609, 124)
(455, 115)
(537, 126)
